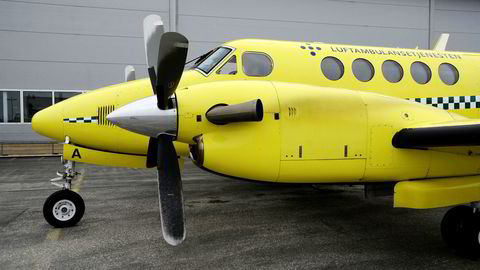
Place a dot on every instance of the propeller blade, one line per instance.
(152, 33)
(171, 61)
(129, 73)
(152, 152)
(170, 192)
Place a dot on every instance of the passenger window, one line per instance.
(392, 71)
(448, 73)
(230, 67)
(363, 70)
(421, 73)
(332, 68)
(257, 64)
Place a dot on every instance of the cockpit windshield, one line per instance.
(213, 59)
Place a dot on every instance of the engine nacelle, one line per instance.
(310, 134)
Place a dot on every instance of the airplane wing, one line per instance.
(459, 135)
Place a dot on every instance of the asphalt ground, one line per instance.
(231, 224)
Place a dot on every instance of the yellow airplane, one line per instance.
(290, 112)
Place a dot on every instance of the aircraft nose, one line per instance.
(144, 117)
(49, 122)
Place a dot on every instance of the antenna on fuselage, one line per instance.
(442, 41)
(129, 73)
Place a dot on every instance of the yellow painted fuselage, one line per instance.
(314, 129)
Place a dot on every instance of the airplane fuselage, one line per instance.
(312, 108)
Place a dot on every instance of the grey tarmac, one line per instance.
(231, 224)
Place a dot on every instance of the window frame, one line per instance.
(261, 53)
(22, 122)
(220, 63)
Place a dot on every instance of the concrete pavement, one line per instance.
(231, 224)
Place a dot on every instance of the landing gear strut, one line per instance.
(64, 208)
(461, 229)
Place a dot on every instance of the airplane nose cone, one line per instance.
(144, 117)
(49, 122)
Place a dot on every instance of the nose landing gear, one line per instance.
(460, 229)
(64, 208)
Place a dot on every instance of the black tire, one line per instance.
(475, 237)
(460, 230)
(69, 209)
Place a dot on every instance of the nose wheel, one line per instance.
(64, 208)
(460, 229)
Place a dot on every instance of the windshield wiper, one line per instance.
(200, 58)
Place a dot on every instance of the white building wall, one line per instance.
(461, 19)
(381, 23)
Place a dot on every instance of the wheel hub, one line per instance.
(64, 210)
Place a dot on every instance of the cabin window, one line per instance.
(421, 73)
(257, 64)
(332, 68)
(213, 59)
(363, 70)
(230, 67)
(34, 102)
(448, 73)
(392, 71)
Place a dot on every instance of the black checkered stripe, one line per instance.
(93, 119)
(450, 103)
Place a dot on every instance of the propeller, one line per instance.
(153, 116)
(166, 55)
